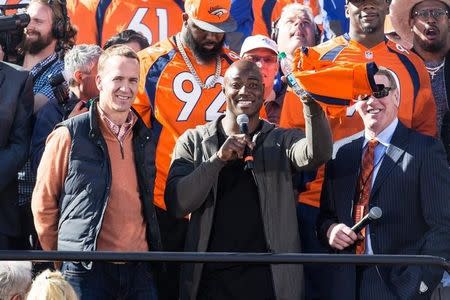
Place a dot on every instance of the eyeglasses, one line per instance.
(271, 59)
(437, 13)
(381, 92)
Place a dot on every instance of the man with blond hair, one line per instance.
(402, 172)
(102, 201)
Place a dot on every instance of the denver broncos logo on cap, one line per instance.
(217, 11)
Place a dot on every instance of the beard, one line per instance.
(201, 53)
(433, 47)
(369, 29)
(36, 46)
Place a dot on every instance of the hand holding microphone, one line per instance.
(242, 121)
(374, 214)
(340, 236)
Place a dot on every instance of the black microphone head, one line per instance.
(375, 213)
(242, 121)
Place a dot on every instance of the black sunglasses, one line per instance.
(380, 92)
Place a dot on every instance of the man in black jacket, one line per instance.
(16, 108)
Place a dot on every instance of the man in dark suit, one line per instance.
(405, 174)
(16, 108)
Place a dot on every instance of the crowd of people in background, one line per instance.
(135, 126)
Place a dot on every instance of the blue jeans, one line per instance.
(111, 281)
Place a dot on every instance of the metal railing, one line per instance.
(209, 257)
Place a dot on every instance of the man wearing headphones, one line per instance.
(46, 38)
(295, 28)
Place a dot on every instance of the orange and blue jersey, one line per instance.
(170, 100)
(417, 107)
(97, 21)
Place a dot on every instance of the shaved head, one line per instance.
(243, 88)
(242, 67)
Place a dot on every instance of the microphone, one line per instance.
(374, 214)
(242, 120)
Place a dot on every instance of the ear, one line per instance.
(397, 98)
(185, 18)
(17, 297)
(77, 76)
(347, 14)
(98, 82)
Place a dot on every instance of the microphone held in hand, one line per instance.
(374, 214)
(242, 121)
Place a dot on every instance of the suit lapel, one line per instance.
(2, 75)
(393, 155)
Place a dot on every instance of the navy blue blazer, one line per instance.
(16, 109)
(412, 188)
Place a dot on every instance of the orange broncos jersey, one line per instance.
(267, 11)
(97, 21)
(417, 107)
(170, 101)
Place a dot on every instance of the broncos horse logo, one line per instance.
(217, 11)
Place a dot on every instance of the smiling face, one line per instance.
(243, 89)
(378, 113)
(367, 16)
(117, 80)
(38, 33)
(430, 32)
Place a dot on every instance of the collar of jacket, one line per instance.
(139, 128)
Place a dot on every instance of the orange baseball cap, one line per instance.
(211, 15)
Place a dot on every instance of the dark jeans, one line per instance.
(173, 234)
(316, 275)
(10, 243)
(111, 281)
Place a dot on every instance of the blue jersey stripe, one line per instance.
(333, 53)
(180, 3)
(99, 18)
(412, 71)
(267, 10)
(152, 78)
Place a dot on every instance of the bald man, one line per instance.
(242, 207)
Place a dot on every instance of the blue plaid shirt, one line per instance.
(41, 85)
